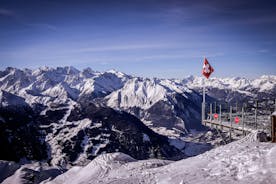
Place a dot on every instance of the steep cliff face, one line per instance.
(20, 136)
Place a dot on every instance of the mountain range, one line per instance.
(65, 117)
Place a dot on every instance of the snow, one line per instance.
(244, 161)
(62, 85)
(46, 85)
(119, 74)
(271, 164)
(166, 132)
(97, 147)
(64, 134)
(146, 138)
(70, 108)
(144, 93)
(7, 168)
(85, 145)
(32, 173)
(264, 83)
(137, 93)
(95, 170)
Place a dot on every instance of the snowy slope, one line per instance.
(244, 161)
(7, 169)
(137, 93)
(144, 93)
(29, 173)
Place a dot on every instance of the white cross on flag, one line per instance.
(207, 69)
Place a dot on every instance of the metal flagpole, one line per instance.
(203, 102)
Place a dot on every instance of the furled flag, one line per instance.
(207, 69)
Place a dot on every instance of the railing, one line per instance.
(243, 120)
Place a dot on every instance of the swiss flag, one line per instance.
(207, 69)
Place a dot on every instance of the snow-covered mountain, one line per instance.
(65, 117)
(68, 82)
(80, 110)
(235, 89)
(162, 104)
(166, 106)
(47, 85)
(264, 83)
(58, 116)
(169, 107)
(144, 98)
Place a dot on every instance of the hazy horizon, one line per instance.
(137, 74)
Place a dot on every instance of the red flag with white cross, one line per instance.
(207, 69)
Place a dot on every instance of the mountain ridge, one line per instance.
(136, 95)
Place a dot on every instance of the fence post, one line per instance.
(273, 127)
(211, 114)
(227, 106)
(215, 107)
(275, 105)
(203, 113)
(220, 116)
(256, 107)
(243, 121)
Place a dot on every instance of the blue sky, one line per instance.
(149, 38)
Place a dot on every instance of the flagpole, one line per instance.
(203, 101)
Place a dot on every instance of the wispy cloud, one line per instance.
(120, 48)
(263, 51)
(6, 12)
(42, 25)
(21, 20)
(184, 55)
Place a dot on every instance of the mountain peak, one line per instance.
(115, 72)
